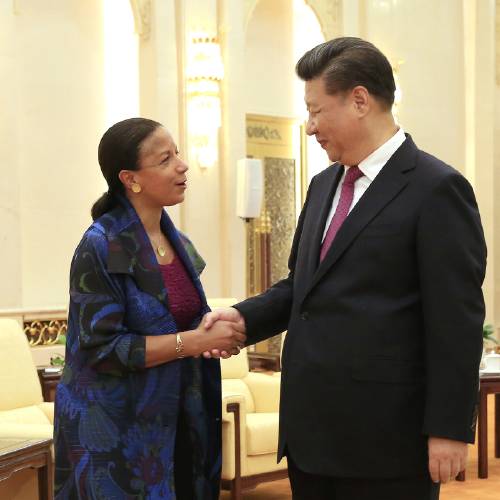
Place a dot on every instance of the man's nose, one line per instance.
(310, 127)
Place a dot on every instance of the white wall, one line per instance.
(269, 59)
(10, 217)
(428, 36)
(53, 64)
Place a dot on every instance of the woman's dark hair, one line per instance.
(347, 62)
(119, 150)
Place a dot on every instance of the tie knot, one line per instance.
(352, 175)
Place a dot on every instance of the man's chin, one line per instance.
(332, 156)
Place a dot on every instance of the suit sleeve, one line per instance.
(451, 255)
(98, 302)
(268, 314)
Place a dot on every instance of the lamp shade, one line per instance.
(249, 188)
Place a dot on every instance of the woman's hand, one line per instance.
(222, 336)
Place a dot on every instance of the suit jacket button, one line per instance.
(304, 316)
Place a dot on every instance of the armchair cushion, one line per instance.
(48, 409)
(265, 390)
(235, 366)
(262, 433)
(28, 415)
(28, 431)
(237, 386)
(19, 385)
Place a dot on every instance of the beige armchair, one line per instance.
(250, 418)
(23, 414)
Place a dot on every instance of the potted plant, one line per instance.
(488, 332)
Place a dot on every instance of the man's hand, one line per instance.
(228, 314)
(446, 458)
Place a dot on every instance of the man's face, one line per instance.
(332, 119)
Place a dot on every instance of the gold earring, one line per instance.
(136, 188)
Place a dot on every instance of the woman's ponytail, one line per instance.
(104, 204)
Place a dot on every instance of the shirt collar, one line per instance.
(373, 163)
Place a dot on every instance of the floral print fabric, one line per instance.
(115, 420)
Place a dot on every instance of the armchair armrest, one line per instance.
(233, 435)
(48, 409)
(265, 390)
(229, 403)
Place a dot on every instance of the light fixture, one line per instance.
(203, 75)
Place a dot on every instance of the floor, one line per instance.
(472, 489)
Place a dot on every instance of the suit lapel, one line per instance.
(387, 185)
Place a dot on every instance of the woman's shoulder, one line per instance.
(196, 259)
(94, 240)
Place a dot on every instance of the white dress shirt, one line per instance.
(370, 166)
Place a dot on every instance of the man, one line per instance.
(383, 303)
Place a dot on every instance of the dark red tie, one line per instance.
(342, 210)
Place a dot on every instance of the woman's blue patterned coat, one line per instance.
(115, 420)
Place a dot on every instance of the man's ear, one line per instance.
(361, 99)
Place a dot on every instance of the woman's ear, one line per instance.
(127, 178)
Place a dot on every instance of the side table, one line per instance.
(17, 454)
(48, 381)
(489, 384)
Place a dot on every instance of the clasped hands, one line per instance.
(225, 332)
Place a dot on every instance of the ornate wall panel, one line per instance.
(269, 238)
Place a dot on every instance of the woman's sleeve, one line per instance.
(98, 311)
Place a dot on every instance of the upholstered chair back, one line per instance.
(234, 370)
(19, 383)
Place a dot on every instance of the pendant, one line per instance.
(161, 251)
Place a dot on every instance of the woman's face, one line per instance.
(161, 174)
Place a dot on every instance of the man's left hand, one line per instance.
(446, 458)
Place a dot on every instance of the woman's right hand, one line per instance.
(222, 335)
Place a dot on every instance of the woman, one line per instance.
(137, 411)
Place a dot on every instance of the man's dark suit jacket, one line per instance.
(385, 335)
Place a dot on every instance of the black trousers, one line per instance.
(307, 486)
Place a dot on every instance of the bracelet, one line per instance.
(179, 346)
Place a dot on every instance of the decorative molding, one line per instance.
(142, 10)
(329, 14)
(42, 326)
(45, 332)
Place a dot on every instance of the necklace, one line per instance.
(160, 249)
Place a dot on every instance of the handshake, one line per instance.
(223, 333)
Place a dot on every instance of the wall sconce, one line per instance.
(204, 73)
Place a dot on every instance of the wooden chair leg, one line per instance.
(236, 489)
(236, 483)
(482, 442)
